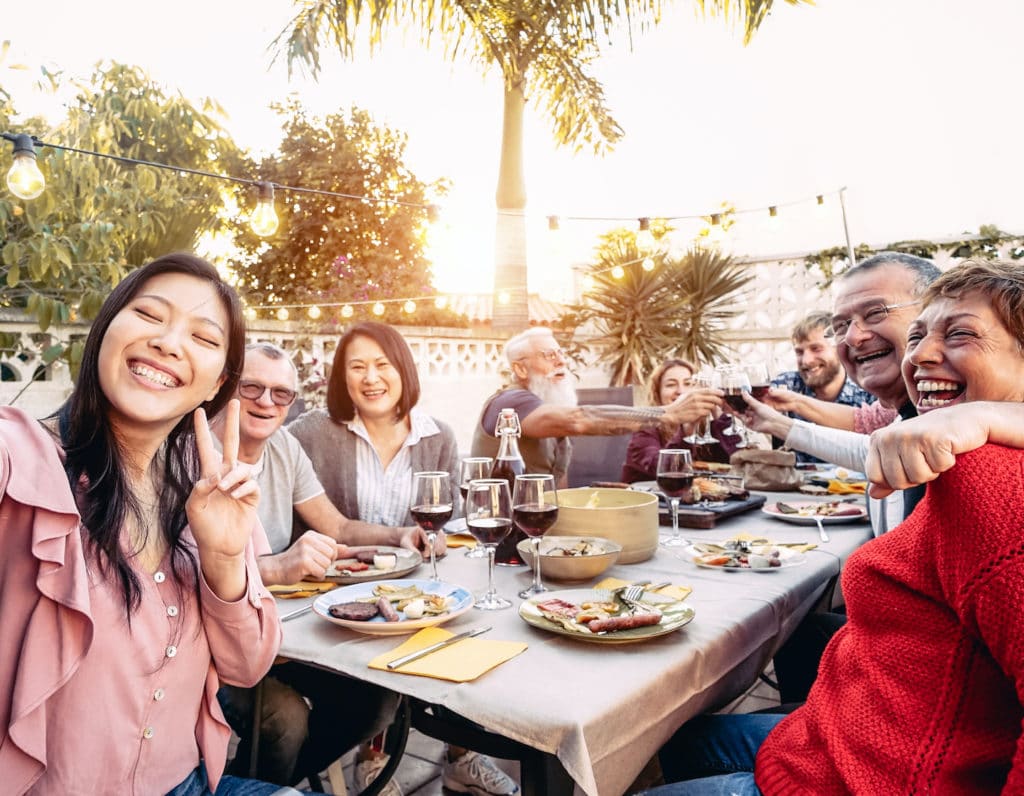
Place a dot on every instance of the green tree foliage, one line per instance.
(679, 308)
(331, 249)
(544, 50)
(99, 218)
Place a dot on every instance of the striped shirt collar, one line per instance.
(421, 425)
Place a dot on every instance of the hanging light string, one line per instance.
(26, 182)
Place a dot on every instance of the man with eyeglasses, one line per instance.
(294, 737)
(544, 397)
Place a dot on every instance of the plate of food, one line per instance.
(741, 555)
(808, 512)
(366, 563)
(392, 607)
(602, 617)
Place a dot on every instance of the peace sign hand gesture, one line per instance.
(222, 507)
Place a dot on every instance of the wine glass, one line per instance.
(735, 382)
(702, 431)
(675, 478)
(489, 518)
(470, 469)
(534, 511)
(432, 506)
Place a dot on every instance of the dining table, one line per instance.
(586, 717)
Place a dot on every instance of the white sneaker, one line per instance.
(366, 771)
(473, 773)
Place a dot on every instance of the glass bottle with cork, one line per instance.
(508, 464)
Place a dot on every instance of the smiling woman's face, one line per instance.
(958, 350)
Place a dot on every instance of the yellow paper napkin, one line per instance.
(672, 591)
(847, 488)
(460, 540)
(800, 548)
(306, 588)
(460, 662)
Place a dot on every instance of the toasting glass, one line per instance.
(489, 518)
(735, 382)
(534, 511)
(675, 478)
(702, 431)
(432, 507)
(470, 469)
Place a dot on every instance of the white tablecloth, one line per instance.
(605, 710)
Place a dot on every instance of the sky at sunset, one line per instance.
(913, 106)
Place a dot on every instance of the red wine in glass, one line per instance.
(432, 518)
(464, 489)
(759, 392)
(734, 397)
(534, 519)
(489, 530)
(675, 484)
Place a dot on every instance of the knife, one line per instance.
(415, 656)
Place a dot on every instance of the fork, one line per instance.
(821, 529)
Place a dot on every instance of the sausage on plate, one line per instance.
(387, 610)
(613, 623)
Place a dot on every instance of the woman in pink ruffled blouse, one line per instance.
(128, 585)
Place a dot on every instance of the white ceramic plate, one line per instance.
(787, 558)
(855, 512)
(406, 562)
(460, 601)
(676, 614)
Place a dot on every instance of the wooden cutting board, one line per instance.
(692, 517)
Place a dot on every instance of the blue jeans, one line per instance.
(196, 784)
(713, 755)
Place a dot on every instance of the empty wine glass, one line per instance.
(675, 478)
(470, 469)
(534, 511)
(702, 431)
(432, 507)
(735, 382)
(489, 518)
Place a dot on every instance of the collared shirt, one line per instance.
(385, 493)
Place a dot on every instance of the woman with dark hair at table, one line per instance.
(128, 581)
(671, 379)
(921, 690)
(364, 448)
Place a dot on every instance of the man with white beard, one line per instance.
(544, 397)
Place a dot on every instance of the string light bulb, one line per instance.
(647, 264)
(264, 218)
(588, 283)
(618, 272)
(314, 312)
(433, 213)
(772, 224)
(409, 307)
(441, 302)
(819, 204)
(378, 309)
(282, 314)
(347, 311)
(644, 236)
(553, 223)
(716, 232)
(504, 297)
(24, 179)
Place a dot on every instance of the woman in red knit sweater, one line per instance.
(922, 690)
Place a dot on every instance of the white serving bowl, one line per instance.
(625, 516)
(555, 566)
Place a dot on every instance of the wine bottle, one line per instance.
(508, 464)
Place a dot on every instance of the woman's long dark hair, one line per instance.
(95, 463)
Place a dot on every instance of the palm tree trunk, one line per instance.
(511, 313)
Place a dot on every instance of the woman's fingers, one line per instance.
(209, 459)
(230, 446)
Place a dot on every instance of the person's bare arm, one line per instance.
(548, 420)
(323, 516)
(824, 413)
(311, 555)
(920, 449)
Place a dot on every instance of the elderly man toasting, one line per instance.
(544, 396)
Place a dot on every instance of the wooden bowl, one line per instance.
(554, 566)
(622, 515)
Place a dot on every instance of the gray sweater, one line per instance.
(332, 449)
